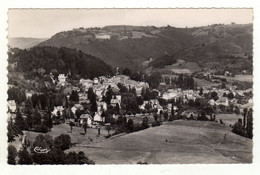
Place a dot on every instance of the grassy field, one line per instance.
(246, 78)
(229, 118)
(77, 134)
(173, 142)
(204, 83)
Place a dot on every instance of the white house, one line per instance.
(223, 101)
(12, 105)
(62, 79)
(115, 101)
(86, 117)
(97, 118)
(95, 80)
(75, 107)
(101, 106)
(56, 109)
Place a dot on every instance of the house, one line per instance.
(98, 92)
(140, 86)
(227, 73)
(56, 109)
(29, 94)
(86, 83)
(170, 94)
(85, 117)
(101, 106)
(95, 80)
(223, 101)
(83, 98)
(97, 118)
(12, 106)
(154, 104)
(62, 79)
(212, 102)
(115, 101)
(76, 107)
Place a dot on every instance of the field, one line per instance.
(173, 142)
(228, 119)
(204, 83)
(246, 78)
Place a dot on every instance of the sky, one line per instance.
(44, 23)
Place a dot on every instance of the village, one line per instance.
(111, 101)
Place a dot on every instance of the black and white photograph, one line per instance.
(130, 86)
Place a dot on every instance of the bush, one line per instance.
(80, 158)
(41, 128)
(202, 118)
(145, 122)
(12, 153)
(108, 136)
(62, 142)
(142, 163)
(156, 123)
(24, 157)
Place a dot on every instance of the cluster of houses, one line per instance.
(179, 93)
(100, 86)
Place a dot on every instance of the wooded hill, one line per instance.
(129, 46)
(44, 60)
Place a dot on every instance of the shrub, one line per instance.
(62, 142)
(80, 158)
(145, 122)
(24, 157)
(41, 128)
(142, 163)
(12, 153)
(156, 123)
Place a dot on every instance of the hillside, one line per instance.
(130, 46)
(38, 61)
(174, 142)
(24, 43)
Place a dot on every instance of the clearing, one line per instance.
(173, 142)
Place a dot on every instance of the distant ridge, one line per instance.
(24, 43)
(129, 46)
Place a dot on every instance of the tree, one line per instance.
(109, 95)
(108, 128)
(165, 116)
(19, 121)
(230, 95)
(148, 106)
(47, 120)
(80, 158)
(155, 116)
(12, 153)
(130, 125)
(36, 118)
(12, 131)
(28, 120)
(129, 102)
(62, 142)
(43, 142)
(214, 95)
(201, 91)
(238, 128)
(249, 124)
(57, 156)
(154, 79)
(74, 97)
(92, 98)
(145, 122)
(24, 157)
(244, 115)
